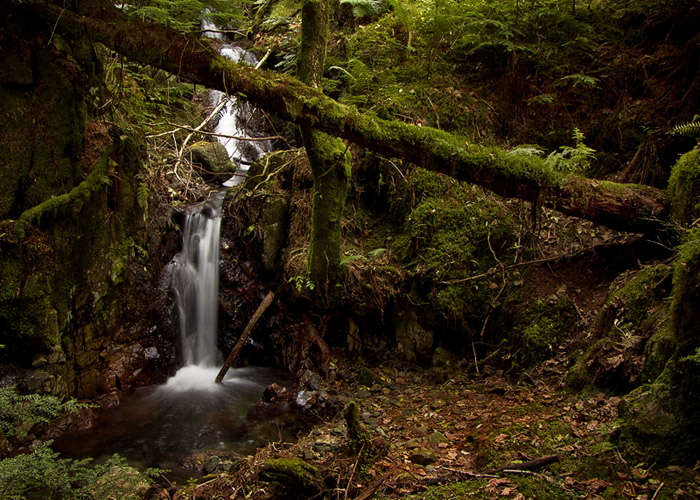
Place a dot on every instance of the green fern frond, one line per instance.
(142, 193)
(362, 8)
(690, 129)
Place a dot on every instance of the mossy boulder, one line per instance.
(212, 162)
(662, 417)
(293, 472)
(684, 188)
(629, 345)
(540, 326)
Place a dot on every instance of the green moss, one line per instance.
(541, 326)
(296, 470)
(684, 188)
(451, 233)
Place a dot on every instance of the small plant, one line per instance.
(572, 159)
(302, 283)
(364, 8)
(690, 129)
(19, 413)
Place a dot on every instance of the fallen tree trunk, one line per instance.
(625, 207)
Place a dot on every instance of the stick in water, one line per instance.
(244, 336)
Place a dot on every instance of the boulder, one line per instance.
(211, 161)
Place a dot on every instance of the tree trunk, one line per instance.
(626, 207)
(329, 158)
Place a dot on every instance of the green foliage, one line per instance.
(185, 15)
(364, 8)
(43, 475)
(574, 159)
(19, 413)
(302, 283)
(541, 325)
(690, 129)
(684, 188)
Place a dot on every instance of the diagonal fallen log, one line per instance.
(625, 207)
(244, 336)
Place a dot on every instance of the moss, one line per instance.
(540, 327)
(629, 344)
(330, 162)
(684, 188)
(300, 473)
(357, 435)
(451, 233)
(73, 199)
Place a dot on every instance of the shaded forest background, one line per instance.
(434, 272)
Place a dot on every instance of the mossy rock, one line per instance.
(212, 162)
(684, 188)
(293, 472)
(539, 327)
(629, 345)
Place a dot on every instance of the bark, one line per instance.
(626, 207)
(244, 336)
(329, 158)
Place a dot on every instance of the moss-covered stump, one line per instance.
(684, 188)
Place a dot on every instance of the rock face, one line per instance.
(74, 281)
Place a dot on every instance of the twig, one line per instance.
(474, 475)
(352, 472)
(372, 488)
(526, 466)
(196, 129)
(657, 491)
(193, 130)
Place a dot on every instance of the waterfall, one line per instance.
(196, 275)
(197, 283)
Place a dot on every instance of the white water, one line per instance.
(196, 279)
(237, 119)
(197, 284)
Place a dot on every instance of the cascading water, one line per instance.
(196, 277)
(197, 284)
(159, 425)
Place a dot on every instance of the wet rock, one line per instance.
(274, 393)
(306, 399)
(414, 341)
(327, 445)
(310, 380)
(211, 465)
(39, 360)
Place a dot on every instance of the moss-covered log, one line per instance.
(624, 207)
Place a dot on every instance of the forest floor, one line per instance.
(441, 433)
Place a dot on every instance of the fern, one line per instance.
(572, 159)
(690, 129)
(142, 193)
(363, 8)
